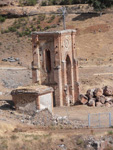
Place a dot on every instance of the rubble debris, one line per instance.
(101, 99)
(91, 102)
(97, 97)
(11, 59)
(83, 99)
(90, 93)
(108, 91)
(98, 92)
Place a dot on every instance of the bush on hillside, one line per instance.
(100, 4)
(27, 2)
(2, 19)
(62, 2)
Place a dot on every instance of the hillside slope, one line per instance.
(94, 43)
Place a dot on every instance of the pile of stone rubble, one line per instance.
(46, 118)
(98, 97)
(11, 59)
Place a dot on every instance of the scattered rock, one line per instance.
(83, 99)
(92, 102)
(98, 104)
(109, 99)
(98, 92)
(11, 59)
(107, 104)
(101, 99)
(108, 91)
(90, 93)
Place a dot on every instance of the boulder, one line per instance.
(109, 98)
(83, 99)
(98, 92)
(107, 104)
(99, 104)
(92, 102)
(101, 99)
(110, 102)
(108, 91)
(90, 93)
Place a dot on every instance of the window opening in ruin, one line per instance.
(48, 61)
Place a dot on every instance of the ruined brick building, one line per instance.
(55, 64)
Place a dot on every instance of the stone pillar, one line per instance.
(73, 92)
(58, 88)
(57, 70)
(75, 68)
(36, 59)
(64, 82)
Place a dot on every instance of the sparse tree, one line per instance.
(99, 5)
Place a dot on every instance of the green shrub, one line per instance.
(14, 137)
(4, 31)
(79, 141)
(110, 132)
(27, 2)
(39, 27)
(20, 34)
(27, 31)
(38, 21)
(47, 27)
(51, 19)
(41, 17)
(44, 3)
(12, 29)
(34, 19)
(2, 19)
(33, 29)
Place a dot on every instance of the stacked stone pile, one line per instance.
(98, 97)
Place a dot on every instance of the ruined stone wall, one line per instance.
(25, 102)
(55, 64)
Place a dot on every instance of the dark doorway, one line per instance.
(48, 61)
(68, 75)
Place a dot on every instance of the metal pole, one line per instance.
(109, 119)
(63, 9)
(88, 120)
(99, 119)
(64, 25)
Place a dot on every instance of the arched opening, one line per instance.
(68, 76)
(48, 61)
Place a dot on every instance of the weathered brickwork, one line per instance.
(55, 64)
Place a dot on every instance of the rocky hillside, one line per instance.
(93, 40)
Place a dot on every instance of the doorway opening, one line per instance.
(68, 77)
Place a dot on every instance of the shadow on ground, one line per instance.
(83, 17)
(7, 105)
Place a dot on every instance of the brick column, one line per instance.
(64, 82)
(57, 70)
(36, 59)
(75, 68)
(73, 91)
(58, 88)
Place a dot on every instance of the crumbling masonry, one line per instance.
(55, 64)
